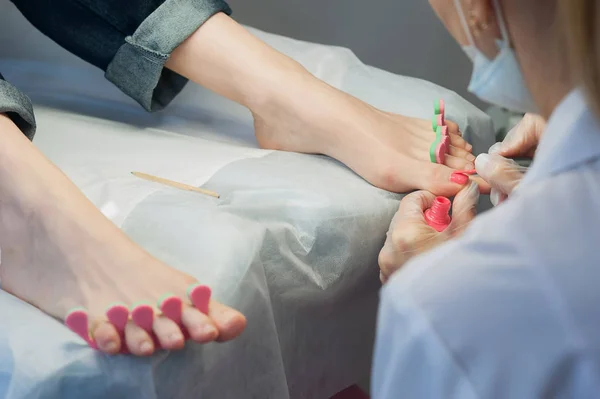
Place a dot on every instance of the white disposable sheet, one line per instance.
(292, 242)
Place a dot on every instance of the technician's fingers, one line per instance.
(522, 140)
(464, 208)
(391, 258)
(408, 234)
(496, 197)
(414, 204)
(501, 173)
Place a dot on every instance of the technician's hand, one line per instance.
(409, 234)
(504, 174)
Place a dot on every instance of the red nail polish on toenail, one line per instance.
(459, 178)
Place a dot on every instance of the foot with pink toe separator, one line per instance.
(142, 315)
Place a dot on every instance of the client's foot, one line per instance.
(388, 150)
(60, 252)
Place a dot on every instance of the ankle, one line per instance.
(279, 89)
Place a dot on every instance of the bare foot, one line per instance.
(60, 252)
(388, 150)
(295, 111)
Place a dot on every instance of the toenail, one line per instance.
(208, 329)
(110, 346)
(145, 347)
(175, 337)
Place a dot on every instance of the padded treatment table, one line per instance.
(292, 242)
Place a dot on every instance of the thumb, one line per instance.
(463, 208)
(521, 140)
(501, 173)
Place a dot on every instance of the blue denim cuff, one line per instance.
(138, 66)
(17, 107)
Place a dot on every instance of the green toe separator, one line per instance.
(437, 107)
(139, 303)
(75, 309)
(190, 288)
(163, 297)
(434, 124)
(432, 151)
(116, 304)
(438, 134)
(436, 142)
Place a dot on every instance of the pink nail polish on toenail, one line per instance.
(459, 178)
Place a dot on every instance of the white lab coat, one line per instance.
(512, 308)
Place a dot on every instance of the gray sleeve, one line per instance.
(17, 107)
(138, 66)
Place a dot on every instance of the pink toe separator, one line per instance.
(77, 321)
(172, 307)
(200, 297)
(440, 120)
(143, 316)
(440, 154)
(118, 315)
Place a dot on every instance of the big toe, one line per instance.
(228, 321)
(199, 326)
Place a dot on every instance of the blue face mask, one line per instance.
(498, 81)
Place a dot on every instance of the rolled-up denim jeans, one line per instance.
(130, 40)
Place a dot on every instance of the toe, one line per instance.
(453, 128)
(461, 153)
(168, 333)
(458, 163)
(199, 326)
(459, 142)
(229, 322)
(107, 338)
(138, 341)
